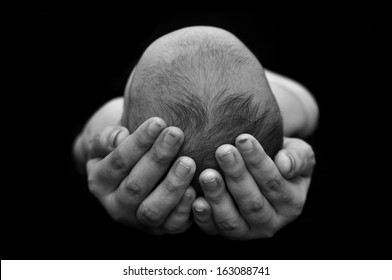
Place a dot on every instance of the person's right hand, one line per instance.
(123, 170)
(257, 195)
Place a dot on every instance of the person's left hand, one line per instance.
(258, 196)
(134, 178)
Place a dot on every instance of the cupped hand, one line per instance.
(128, 174)
(257, 196)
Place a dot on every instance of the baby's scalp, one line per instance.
(206, 82)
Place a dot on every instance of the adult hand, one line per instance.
(123, 170)
(257, 196)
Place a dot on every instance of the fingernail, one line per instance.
(182, 169)
(288, 163)
(227, 157)
(120, 137)
(245, 145)
(199, 211)
(170, 138)
(210, 184)
(154, 128)
(113, 138)
(187, 195)
(291, 169)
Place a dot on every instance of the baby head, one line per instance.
(205, 81)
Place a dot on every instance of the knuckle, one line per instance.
(255, 205)
(172, 187)
(134, 186)
(117, 161)
(216, 198)
(256, 162)
(172, 229)
(160, 157)
(141, 140)
(272, 185)
(237, 175)
(286, 197)
(150, 216)
(230, 225)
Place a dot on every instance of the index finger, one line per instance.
(264, 171)
(111, 170)
(242, 186)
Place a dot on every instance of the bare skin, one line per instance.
(265, 194)
(123, 179)
(269, 194)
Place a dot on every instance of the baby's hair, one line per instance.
(201, 91)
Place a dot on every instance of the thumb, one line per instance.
(295, 159)
(104, 143)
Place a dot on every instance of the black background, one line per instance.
(65, 65)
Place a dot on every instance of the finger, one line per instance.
(179, 219)
(112, 170)
(92, 165)
(150, 169)
(264, 171)
(226, 216)
(297, 158)
(202, 215)
(104, 143)
(157, 206)
(252, 204)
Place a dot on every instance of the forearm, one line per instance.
(298, 107)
